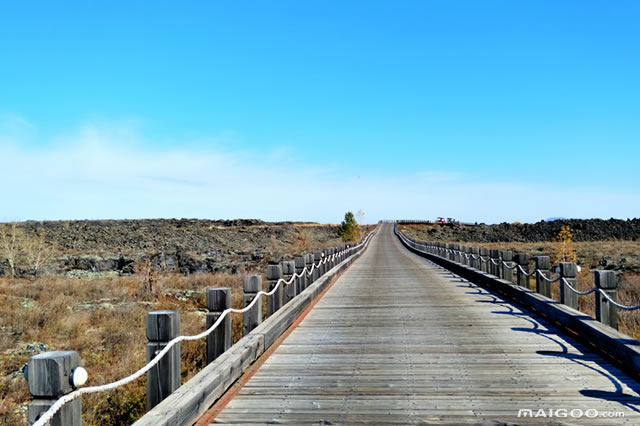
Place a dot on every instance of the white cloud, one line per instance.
(110, 171)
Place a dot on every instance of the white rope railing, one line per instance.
(575, 290)
(542, 275)
(48, 415)
(549, 280)
(506, 265)
(525, 273)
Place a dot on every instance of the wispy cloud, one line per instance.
(111, 171)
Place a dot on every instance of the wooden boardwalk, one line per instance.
(399, 340)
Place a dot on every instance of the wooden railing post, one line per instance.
(288, 269)
(522, 259)
(48, 376)
(495, 256)
(251, 285)
(317, 272)
(164, 377)
(606, 312)
(301, 282)
(276, 300)
(456, 253)
(470, 258)
(463, 251)
(507, 257)
(219, 340)
(568, 271)
(475, 251)
(543, 264)
(325, 265)
(308, 261)
(484, 254)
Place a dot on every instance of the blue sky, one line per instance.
(486, 111)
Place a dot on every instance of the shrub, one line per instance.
(564, 250)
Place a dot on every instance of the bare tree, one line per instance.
(9, 245)
(360, 216)
(36, 251)
(23, 250)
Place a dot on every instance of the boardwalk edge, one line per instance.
(193, 398)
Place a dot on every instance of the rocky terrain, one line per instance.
(91, 248)
(583, 230)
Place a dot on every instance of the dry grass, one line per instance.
(104, 321)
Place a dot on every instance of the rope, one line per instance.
(616, 304)
(579, 293)
(525, 273)
(48, 415)
(549, 280)
(506, 265)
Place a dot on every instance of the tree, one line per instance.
(564, 249)
(22, 251)
(10, 247)
(349, 229)
(360, 216)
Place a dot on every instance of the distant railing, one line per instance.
(427, 222)
(54, 378)
(502, 263)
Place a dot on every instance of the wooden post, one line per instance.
(522, 259)
(308, 261)
(164, 377)
(301, 282)
(288, 269)
(543, 264)
(475, 251)
(463, 251)
(48, 376)
(568, 271)
(219, 340)
(251, 285)
(507, 257)
(325, 265)
(276, 300)
(317, 272)
(495, 256)
(606, 312)
(456, 253)
(484, 253)
(470, 258)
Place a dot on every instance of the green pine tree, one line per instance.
(349, 229)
